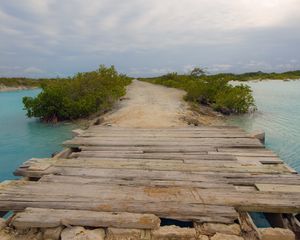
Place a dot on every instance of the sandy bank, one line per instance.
(4, 88)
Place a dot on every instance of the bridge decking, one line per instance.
(200, 174)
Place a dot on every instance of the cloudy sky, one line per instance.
(148, 37)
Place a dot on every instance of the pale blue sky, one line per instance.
(148, 37)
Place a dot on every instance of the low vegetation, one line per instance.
(77, 97)
(16, 82)
(292, 75)
(24, 82)
(96, 91)
(214, 91)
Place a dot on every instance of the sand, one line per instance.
(153, 106)
(4, 88)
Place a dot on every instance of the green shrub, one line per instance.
(77, 97)
(205, 90)
(214, 91)
(236, 99)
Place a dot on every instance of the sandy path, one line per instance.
(150, 106)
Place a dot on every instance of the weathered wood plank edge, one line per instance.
(50, 218)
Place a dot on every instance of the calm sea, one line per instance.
(22, 138)
(278, 115)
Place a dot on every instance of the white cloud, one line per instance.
(74, 29)
(151, 23)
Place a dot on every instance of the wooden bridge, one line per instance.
(132, 178)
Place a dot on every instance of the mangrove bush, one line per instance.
(214, 91)
(77, 97)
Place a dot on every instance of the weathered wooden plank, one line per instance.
(161, 156)
(121, 174)
(136, 182)
(171, 175)
(162, 165)
(167, 140)
(166, 135)
(49, 218)
(219, 142)
(151, 149)
(159, 165)
(141, 174)
(122, 161)
(58, 192)
(168, 209)
(185, 212)
(246, 188)
(247, 180)
(278, 188)
(185, 129)
(264, 150)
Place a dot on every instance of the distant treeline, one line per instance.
(259, 76)
(77, 97)
(26, 82)
(32, 82)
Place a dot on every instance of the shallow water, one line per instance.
(278, 115)
(22, 138)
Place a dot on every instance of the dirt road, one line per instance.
(152, 106)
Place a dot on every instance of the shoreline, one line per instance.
(4, 88)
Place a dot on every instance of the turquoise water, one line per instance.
(278, 115)
(22, 138)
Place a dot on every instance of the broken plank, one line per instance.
(175, 210)
(248, 180)
(278, 188)
(50, 218)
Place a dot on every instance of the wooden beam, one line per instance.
(49, 218)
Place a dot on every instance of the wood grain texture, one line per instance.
(51, 218)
